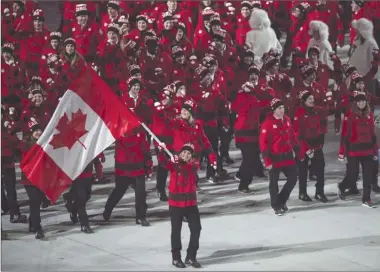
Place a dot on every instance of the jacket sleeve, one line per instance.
(168, 164)
(374, 137)
(299, 133)
(148, 162)
(345, 135)
(265, 144)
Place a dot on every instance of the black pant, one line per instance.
(9, 181)
(353, 185)
(318, 165)
(279, 199)
(250, 164)
(225, 140)
(35, 199)
(4, 200)
(121, 186)
(162, 176)
(80, 193)
(368, 164)
(213, 137)
(194, 220)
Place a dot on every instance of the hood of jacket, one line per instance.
(259, 20)
(321, 27)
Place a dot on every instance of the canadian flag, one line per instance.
(88, 119)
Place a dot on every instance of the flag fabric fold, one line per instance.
(89, 118)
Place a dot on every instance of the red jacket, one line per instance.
(278, 142)
(247, 107)
(358, 135)
(9, 142)
(307, 128)
(132, 155)
(87, 39)
(183, 181)
(31, 50)
(13, 78)
(243, 28)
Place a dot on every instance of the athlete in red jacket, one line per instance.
(183, 203)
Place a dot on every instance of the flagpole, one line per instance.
(156, 139)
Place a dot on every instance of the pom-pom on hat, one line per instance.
(70, 41)
(114, 4)
(114, 28)
(304, 95)
(33, 125)
(8, 47)
(55, 36)
(275, 103)
(188, 147)
(81, 9)
(38, 15)
(189, 106)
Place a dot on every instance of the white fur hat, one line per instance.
(259, 19)
(364, 27)
(321, 27)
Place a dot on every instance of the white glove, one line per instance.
(375, 158)
(329, 95)
(30, 96)
(7, 12)
(6, 123)
(213, 165)
(205, 94)
(310, 153)
(158, 106)
(341, 158)
(49, 81)
(269, 167)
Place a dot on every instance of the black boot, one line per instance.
(18, 218)
(177, 260)
(305, 197)
(321, 197)
(227, 159)
(74, 218)
(45, 203)
(86, 229)
(143, 222)
(162, 195)
(106, 216)
(340, 193)
(40, 234)
(193, 262)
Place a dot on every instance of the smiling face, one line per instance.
(360, 85)
(112, 37)
(135, 89)
(168, 24)
(38, 99)
(361, 104)
(70, 49)
(172, 5)
(37, 134)
(185, 155)
(245, 12)
(7, 56)
(185, 114)
(54, 44)
(310, 101)
(181, 92)
(141, 25)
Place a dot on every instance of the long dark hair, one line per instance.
(365, 112)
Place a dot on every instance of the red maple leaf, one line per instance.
(70, 131)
